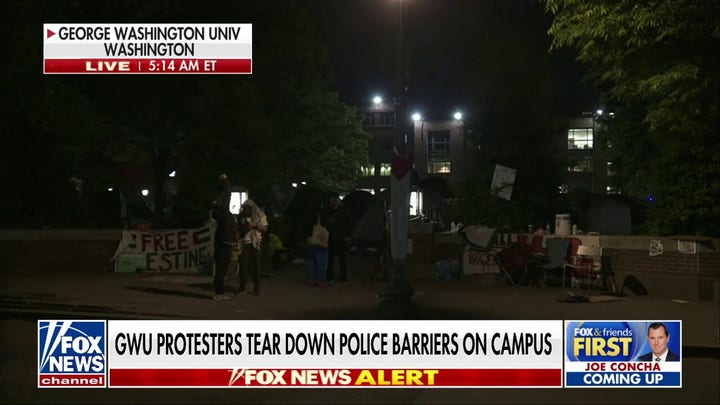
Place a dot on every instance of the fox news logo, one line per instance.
(601, 341)
(71, 354)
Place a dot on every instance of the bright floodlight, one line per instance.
(110, 189)
(303, 183)
(377, 100)
(599, 112)
(457, 115)
(172, 174)
(416, 117)
(294, 185)
(145, 192)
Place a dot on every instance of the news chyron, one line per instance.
(71, 354)
(147, 49)
(623, 354)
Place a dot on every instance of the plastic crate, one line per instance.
(447, 270)
(129, 263)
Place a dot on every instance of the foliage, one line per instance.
(658, 61)
(515, 126)
(281, 124)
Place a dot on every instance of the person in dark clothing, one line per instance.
(224, 238)
(253, 225)
(339, 225)
(317, 251)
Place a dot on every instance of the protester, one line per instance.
(253, 223)
(339, 224)
(318, 253)
(224, 237)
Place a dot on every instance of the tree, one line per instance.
(515, 123)
(657, 62)
(267, 129)
(48, 129)
(284, 124)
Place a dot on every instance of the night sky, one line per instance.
(444, 37)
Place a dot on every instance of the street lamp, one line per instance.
(458, 115)
(377, 100)
(144, 192)
(416, 117)
(399, 290)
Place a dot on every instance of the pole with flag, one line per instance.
(399, 289)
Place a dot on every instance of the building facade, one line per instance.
(588, 167)
(438, 148)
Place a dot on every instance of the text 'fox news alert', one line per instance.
(623, 354)
(71, 353)
(147, 48)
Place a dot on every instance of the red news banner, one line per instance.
(335, 377)
(147, 48)
(251, 354)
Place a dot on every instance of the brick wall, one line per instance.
(422, 247)
(672, 274)
(58, 249)
(57, 254)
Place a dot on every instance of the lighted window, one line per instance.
(379, 119)
(580, 138)
(438, 151)
(610, 169)
(439, 167)
(236, 201)
(416, 203)
(368, 170)
(613, 190)
(581, 165)
(385, 169)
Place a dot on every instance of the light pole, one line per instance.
(399, 289)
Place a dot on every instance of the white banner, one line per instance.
(184, 250)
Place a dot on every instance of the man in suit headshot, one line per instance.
(658, 337)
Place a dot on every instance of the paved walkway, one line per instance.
(285, 295)
(63, 293)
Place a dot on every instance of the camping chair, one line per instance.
(587, 270)
(572, 257)
(516, 259)
(557, 251)
(479, 241)
(537, 245)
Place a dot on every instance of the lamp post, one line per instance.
(399, 289)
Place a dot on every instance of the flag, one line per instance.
(400, 203)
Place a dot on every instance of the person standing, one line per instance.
(318, 252)
(253, 224)
(339, 225)
(224, 237)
